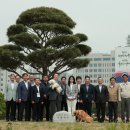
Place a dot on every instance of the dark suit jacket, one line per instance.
(46, 88)
(23, 93)
(34, 92)
(103, 96)
(63, 93)
(53, 95)
(87, 96)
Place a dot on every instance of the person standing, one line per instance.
(87, 95)
(32, 80)
(71, 93)
(63, 86)
(79, 105)
(36, 99)
(114, 97)
(18, 80)
(55, 98)
(101, 98)
(24, 96)
(10, 93)
(59, 96)
(45, 85)
(125, 98)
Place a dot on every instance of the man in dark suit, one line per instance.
(63, 85)
(18, 80)
(87, 95)
(101, 97)
(45, 85)
(24, 97)
(36, 99)
(59, 96)
(79, 105)
(54, 98)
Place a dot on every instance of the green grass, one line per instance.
(62, 126)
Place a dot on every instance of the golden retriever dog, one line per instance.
(83, 116)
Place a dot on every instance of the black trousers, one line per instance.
(87, 106)
(24, 105)
(46, 106)
(112, 107)
(36, 107)
(52, 108)
(58, 105)
(64, 104)
(17, 110)
(79, 106)
(101, 108)
(10, 110)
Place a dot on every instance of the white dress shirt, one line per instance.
(79, 86)
(12, 85)
(71, 87)
(37, 88)
(26, 84)
(100, 88)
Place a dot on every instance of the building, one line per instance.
(101, 65)
(4, 78)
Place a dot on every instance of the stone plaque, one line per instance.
(63, 116)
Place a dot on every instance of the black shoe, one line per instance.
(127, 120)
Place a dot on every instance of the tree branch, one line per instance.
(13, 71)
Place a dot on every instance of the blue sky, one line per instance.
(105, 22)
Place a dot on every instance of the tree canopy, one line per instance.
(43, 38)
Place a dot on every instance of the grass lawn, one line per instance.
(62, 126)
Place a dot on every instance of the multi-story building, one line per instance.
(101, 65)
(4, 78)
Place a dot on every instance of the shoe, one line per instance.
(127, 120)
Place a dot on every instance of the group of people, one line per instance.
(32, 97)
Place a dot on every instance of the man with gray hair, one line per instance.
(10, 93)
(101, 98)
(125, 98)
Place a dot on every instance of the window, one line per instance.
(97, 59)
(113, 58)
(90, 65)
(95, 70)
(99, 65)
(106, 59)
(90, 70)
(113, 64)
(99, 70)
(95, 65)
(113, 70)
(86, 70)
(99, 75)
(94, 81)
(95, 76)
